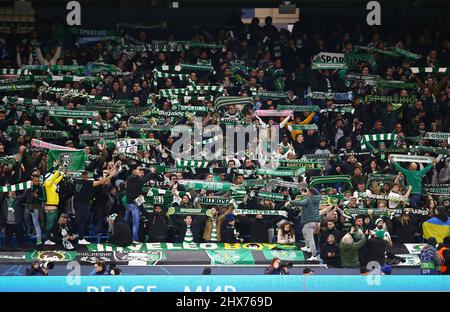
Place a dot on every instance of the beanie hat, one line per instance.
(378, 220)
(229, 218)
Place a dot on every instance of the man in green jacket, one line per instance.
(413, 178)
(310, 218)
(349, 246)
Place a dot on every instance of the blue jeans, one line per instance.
(133, 209)
(35, 217)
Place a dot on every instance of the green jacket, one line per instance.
(414, 178)
(310, 209)
(349, 252)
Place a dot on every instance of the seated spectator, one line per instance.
(286, 233)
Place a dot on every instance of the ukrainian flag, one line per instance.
(436, 228)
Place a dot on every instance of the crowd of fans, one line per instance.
(343, 223)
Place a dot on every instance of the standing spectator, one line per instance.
(349, 246)
(12, 213)
(81, 202)
(414, 178)
(134, 186)
(52, 200)
(34, 201)
(310, 219)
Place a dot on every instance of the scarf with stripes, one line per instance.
(16, 187)
(376, 138)
(429, 70)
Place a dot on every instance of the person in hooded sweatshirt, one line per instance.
(323, 150)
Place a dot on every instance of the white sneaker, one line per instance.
(136, 242)
(313, 258)
(83, 242)
(306, 249)
(49, 242)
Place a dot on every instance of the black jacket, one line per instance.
(273, 271)
(324, 233)
(122, 235)
(157, 226)
(227, 234)
(134, 186)
(56, 234)
(196, 227)
(375, 250)
(18, 205)
(34, 202)
(257, 228)
(335, 261)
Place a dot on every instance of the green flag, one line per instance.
(231, 257)
(73, 160)
(284, 255)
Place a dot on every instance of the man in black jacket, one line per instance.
(121, 233)
(62, 233)
(12, 212)
(134, 189)
(156, 224)
(375, 248)
(189, 228)
(329, 252)
(34, 199)
(228, 232)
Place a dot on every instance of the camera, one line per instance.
(113, 270)
(47, 265)
(287, 265)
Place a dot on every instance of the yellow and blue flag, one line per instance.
(436, 228)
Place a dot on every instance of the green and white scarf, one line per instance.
(299, 108)
(412, 158)
(214, 230)
(73, 113)
(396, 84)
(336, 96)
(260, 212)
(437, 189)
(214, 200)
(188, 237)
(16, 187)
(271, 95)
(376, 138)
(390, 99)
(191, 163)
(6, 71)
(19, 87)
(437, 136)
(429, 70)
